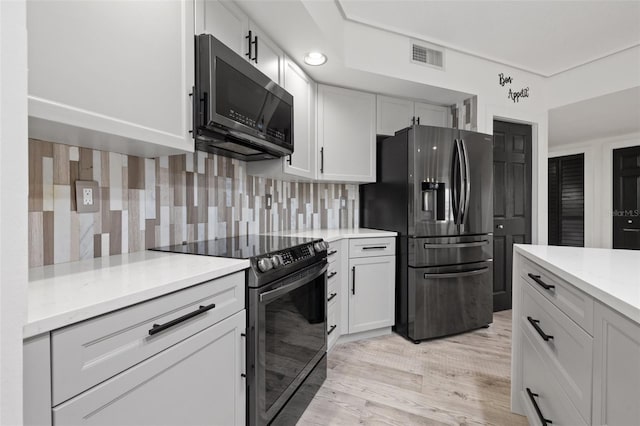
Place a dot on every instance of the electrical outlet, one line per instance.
(87, 196)
(268, 202)
(343, 202)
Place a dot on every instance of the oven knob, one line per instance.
(320, 246)
(265, 264)
(276, 260)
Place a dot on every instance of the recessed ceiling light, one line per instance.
(315, 58)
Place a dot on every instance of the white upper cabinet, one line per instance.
(431, 115)
(346, 135)
(112, 75)
(303, 160)
(228, 23)
(225, 21)
(395, 114)
(266, 55)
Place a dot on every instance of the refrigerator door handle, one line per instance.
(456, 198)
(458, 274)
(466, 181)
(457, 245)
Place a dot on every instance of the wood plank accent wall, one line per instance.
(147, 203)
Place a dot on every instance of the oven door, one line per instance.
(288, 325)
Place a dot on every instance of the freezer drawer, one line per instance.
(449, 300)
(435, 251)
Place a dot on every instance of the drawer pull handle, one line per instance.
(374, 248)
(542, 284)
(535, 325)
(333, 274)
(333, 295)
(457, 245)
(332, 252)
(157, 328)
(333, 327)
(532, 396)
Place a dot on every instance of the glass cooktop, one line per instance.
(242, 247)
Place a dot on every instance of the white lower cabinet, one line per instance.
(195, 382)
(371, 293)
(575, 361)
(616, 378)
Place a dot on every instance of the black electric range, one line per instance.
(270, 257)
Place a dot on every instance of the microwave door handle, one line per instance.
(467, 181)
(274, 294)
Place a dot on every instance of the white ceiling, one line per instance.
(545, 37)
(604, 116)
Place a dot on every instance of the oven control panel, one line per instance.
(289, 256)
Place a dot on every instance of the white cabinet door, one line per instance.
(303, 159)
(393, 114)
(195, 382)
(431, 115)
(225, 21)
(346, 135)
(122, 68)
(371, 293)
(267, 56)
(616, 379)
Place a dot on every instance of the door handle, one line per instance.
(631, 229)
(374, 248)
(418, 120)
(541, 283)
(458, 274)
(457, 245)
(255, 57)
(322, 160)
(466, 181)
(500, 226)
(353, 273)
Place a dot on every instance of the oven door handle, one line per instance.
(273, 294)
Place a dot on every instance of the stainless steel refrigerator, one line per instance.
(435, 188)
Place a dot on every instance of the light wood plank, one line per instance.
(463, 379)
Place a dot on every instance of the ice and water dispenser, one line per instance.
(433, 201)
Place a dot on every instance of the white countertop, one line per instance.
(610, 276)
(63, 294)
(330, 235)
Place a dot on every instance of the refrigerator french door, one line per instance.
(435, 189)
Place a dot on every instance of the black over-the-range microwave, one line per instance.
(238, 111)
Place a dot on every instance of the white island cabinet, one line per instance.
(576, 336)
(112, 75)
(174, 359)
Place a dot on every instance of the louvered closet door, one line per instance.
(566, 200)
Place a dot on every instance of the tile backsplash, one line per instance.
(167, 200)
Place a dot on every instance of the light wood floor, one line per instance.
(459, 380)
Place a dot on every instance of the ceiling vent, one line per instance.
(427, 54)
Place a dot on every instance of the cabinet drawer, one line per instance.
(553, 403)
(577, 305)
(87, 353)
(568, 352)
(333, 325)
(366, 247)
(333, 294)
(333, 252)
(195, 382)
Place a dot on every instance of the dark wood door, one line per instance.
(511, 203)
(566, 201)
(626, 198)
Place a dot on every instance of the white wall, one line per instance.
(376, 51)
(598, 184)
(13, 205)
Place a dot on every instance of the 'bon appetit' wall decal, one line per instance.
(513, 95)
